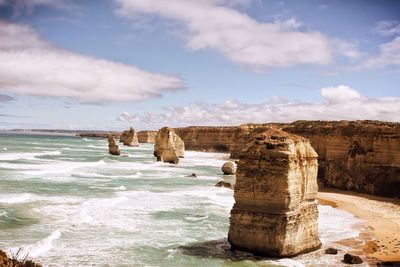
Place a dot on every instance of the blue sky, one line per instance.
(150, 63)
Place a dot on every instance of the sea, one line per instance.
(64, 201)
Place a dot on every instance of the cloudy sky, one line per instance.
(110, 64)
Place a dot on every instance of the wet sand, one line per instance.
(382, 215)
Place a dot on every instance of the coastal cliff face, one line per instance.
(210, 139)
(362, 156)
(147, 136)
(168, 146)
(275, 213)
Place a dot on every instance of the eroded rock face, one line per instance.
(147, 136)
(113, 148)
(123, 136)
(168, 146)
(275, 213)
(131, 138)
(228, 168)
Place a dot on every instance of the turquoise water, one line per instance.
(67, 202)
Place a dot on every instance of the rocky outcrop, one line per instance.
(362, 156)
(98, 134)
(123, 136)
(147, 136)
(113, 148)
(16, 261)
(131, 138)
(228, 168)
(168, 146)
(275, 212)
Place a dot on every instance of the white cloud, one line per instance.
(387, 27)
(215, 25)
(31, 66)
(389, 55)
(339, 103)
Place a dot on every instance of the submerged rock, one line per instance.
(332, 251)
(275, 213)
(228, 168)
(352, 259)
(193, 175)
(113, 148)
(131, 138)
(224, 184)
(168, 147)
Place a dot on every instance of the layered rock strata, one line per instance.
(362, 156)
(147, 136)
(168, 147)
(275, 212)
(131, 138)
(113, 148)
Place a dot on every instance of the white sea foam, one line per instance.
(16, 156)
(44, 245)
(120, 188)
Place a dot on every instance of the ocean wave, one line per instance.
(17, 156)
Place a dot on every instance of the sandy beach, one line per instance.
(382, 216)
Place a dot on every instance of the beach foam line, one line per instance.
(16, 156)
(44, 245)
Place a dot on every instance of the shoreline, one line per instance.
(381, 215)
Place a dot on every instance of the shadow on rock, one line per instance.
(218, 249)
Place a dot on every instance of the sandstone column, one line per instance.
(168, 146)
(131, 138)
(275, 213)
(112, 146)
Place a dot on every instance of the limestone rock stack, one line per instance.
(113, 148)
(147, 136)
(131, 138)
(168, 147)
(123, 136)
(275, 213)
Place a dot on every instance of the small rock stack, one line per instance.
(275, 213)
(130, 138)
(168, 147)
(113, 148)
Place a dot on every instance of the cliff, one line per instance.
(147, 136)
(363, 156)
(275, 213)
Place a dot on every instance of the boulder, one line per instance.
(228, 168)
(352, 259)
(332, 251)
(131, 138)
(113, 148)
(168, 146)
(224, 184)
(275, 213)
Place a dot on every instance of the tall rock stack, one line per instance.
(131, 138)
(168, 147)
(123, 136)
(113, 148)
(275, 213)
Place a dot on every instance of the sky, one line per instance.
(112, 64)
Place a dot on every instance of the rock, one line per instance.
(275, 213)
(16, 260)
(123, 136)
(224, 184)
(113, 148)
(147, 136)
(193, 175)
(131, 138)
(352, 259)
(168, 146)
(229, 168)
(332, 251)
